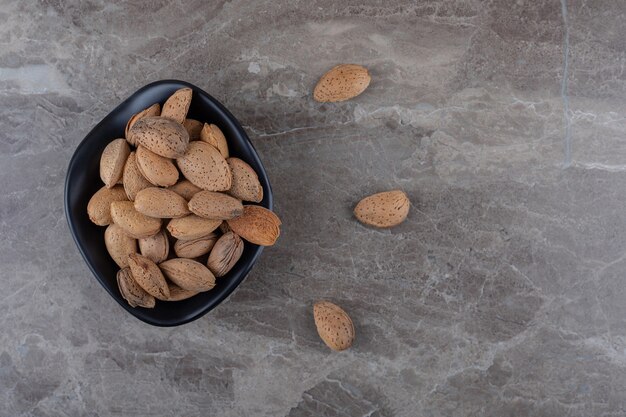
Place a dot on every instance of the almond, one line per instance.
(386, 209)
(156, 169)
(132, 292)
(119, 244)
(149, 277)
(188, 274)
(205, 167)
(185, 189)
(155, 247)
(216, 206)
(245, 183)
(162, 136)
(257, 225)
(160, 203)
(132, 179)
(154, 110)
(342, 82)
(225, 254)
(132, 222)
(178, 294)
(212, 135)
(99, 206)
(193, 128)
(177, 105)
(194, 248)
(333, 325)
(192, 227)
(112, 162)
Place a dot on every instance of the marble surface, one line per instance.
(503, 294)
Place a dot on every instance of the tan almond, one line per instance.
(333, 325)
(193, 128)
(341, 83)
(112, 162)
(155, 168)
(99, 206)
(386, 209)
(195, 248)
(161, 203)
(225, 254)
(177, 105)
(257, 225)
(188, 274)
(179, 294)
(132, 179)
(132, 292)
(245, 184)
(135, 224)
(213, 135)
(185, 189)
(192, 227)
(162, 136)
(119, 244)
(149, 277)
(155, 247)
(216, 206)
(205, 167)
(154, 110)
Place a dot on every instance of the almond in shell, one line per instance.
(132, 292)
(333, 325)
(132, 179)
(112, 162)
(245, 183)
(188, 274)
(212, 135)
(216, 206)
(257, 225)
(177, 105)
(161, 203)
(192, 227)
(195, 248)
(149, 277)
(225, 254)
(185, 189)
(162, 136)
(99, 206)
(341, 83)
(155, 168)
(133, 223)
(119, 244)
(179, 294)
(193, 128)
(205, 167)
(154, 110)
(386, 209)
(155, 247)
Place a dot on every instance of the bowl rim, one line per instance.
(70, 217)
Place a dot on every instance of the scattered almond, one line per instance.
(149, 277)
(225, 254)
(341, 83)
(193, 128)
(386, 209)
(205, 167)
(333, 325)
(99, 206)
(212, 135)
(188, 274)
(132, 222)
(155, 247)
(154, 110)
(132, 179)
(132, 292)
(161, 203)
(257, 225)
(119, 244)
(195, 248)
(216, 206)
(155, 168)
(192, 227)
(185, 189)
(162, 136)
(112, 162)
(177, 106)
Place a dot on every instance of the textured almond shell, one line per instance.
(132, 222)
(225, 254)
(333, 325)
(196, 247)
(112, 162)
(245, 182)
(386, 209)
(161, 203)
(205, 167)
(213, 135)
(132, 292)
(119, 244)
(155, 168)
(99, 206)
(155, 247)
(216, 206)
(154, 110)
(132, 178)
(193, 128)
(179, 294)
(177, 105)
(185, 189)
(257, 225)
(149, 277)
(162, 136)
(188, 274)
(192, 227)
(342, 82)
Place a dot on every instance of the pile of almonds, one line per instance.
(172, 183)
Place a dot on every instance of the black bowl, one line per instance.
(83, 180)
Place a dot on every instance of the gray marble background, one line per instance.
(503, 294)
